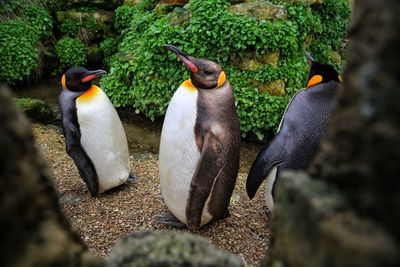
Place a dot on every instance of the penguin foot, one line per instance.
(168, 219)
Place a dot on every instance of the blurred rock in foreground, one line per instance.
(33, 230)
(348, 214)
(164, 248)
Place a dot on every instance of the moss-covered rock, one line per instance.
(33, 230)
(35, 109)
(163, 248)
(165, 8)
(180, 17)
(260, 10)
(314, 226)
(276, 88)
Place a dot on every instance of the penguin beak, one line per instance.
(309, 58)
(183, 57)
(92, 75)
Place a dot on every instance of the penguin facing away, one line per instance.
(199, 147)
(300, 132)
(95, 137)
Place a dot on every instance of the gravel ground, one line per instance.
(101, 220)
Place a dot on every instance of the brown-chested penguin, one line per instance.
(199, 148)
(95, 137)
(300, 132)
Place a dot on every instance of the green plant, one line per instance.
(40, 19)
(69, 27)
(144, 76)
(71, 52)
(18, 52)
(24, 24)
(109, 47)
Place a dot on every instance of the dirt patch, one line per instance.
(101, 220)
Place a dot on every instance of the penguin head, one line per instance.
(204, 74)
(320, 73)
(79, 79)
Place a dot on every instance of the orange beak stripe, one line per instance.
(88, 78)
(316, 79)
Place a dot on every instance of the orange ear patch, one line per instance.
(189, 85)
(316, 79)
(63, 82)
(89, 95)
(221, 79)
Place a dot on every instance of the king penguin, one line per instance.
(95, 137)
(199, 147)
(300, 131)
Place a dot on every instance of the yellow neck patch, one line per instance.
(89, 95)
(221, 79)
(64, 82)
(189, 85)
(316, 79)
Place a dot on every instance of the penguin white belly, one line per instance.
(103, 138)
(268, 189)
(178, 151)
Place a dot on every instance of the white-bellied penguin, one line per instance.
(199, 148)
(300, 132)
(94, 135)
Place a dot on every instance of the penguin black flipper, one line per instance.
(73, 144)
(270, 156)
(203, 179)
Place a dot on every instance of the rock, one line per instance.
(270, 58)
(99, 4)
(335, 57)
(167, 248)
(361, 154)
(162, 9)
(33, 230)
(180, 17)
(35, 109)
(313, 226)
(248, 63)
(308, 2)
(131, 2)
(175, 1)
(276, 88)
(260, 10)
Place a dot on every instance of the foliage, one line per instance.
(24, 24)
(40, 19)
(144, 76)
(71, 52)
(18, 50)
(69, 27)
(109, 47)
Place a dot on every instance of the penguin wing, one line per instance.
(207, 171)
(74, 148)
(82, 161)
(270, 156)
